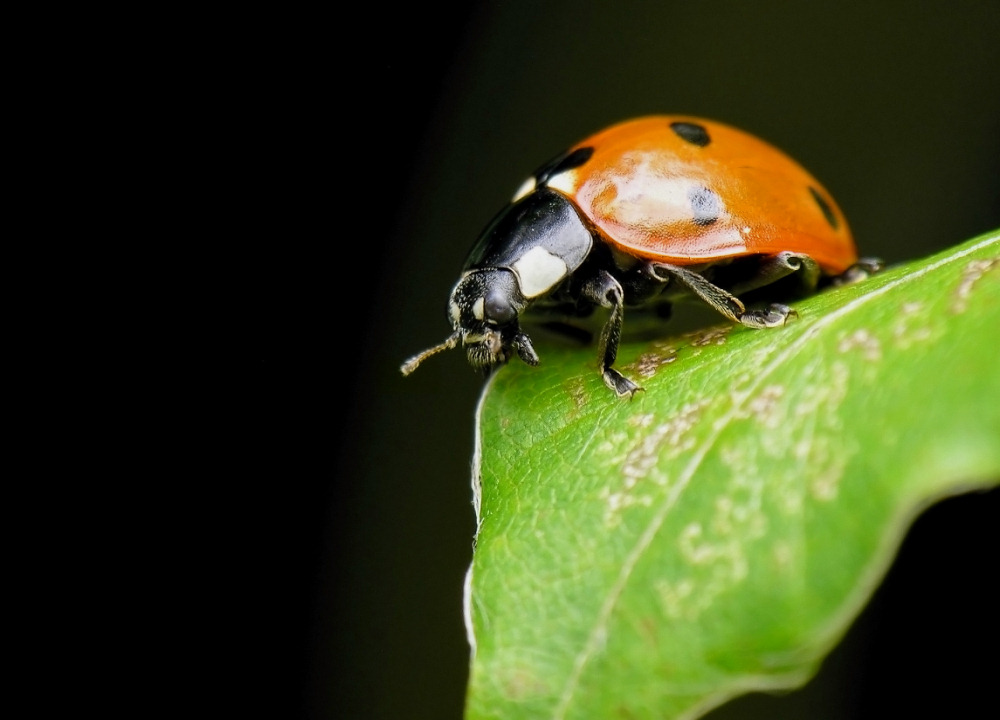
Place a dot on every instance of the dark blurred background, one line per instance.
(387, 138)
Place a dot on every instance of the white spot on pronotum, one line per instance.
(456, 313)
(538, 270)
(526, 187)
(478, 308)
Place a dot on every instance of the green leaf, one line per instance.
(717, 533)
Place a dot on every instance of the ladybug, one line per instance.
(638, 215)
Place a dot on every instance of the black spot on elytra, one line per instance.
(561, 163)
(692, 133)
(825, 207)
(705, 205)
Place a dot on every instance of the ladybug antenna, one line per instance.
(411, 364)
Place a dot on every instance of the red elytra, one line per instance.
(637, 186)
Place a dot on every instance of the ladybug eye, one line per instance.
(497, 309)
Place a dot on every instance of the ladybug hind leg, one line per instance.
(769, 269)
(774, 315)
(864, 268)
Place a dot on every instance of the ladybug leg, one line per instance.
(729, 305)
(521, 343)
(722, 301)
(862, 269)
(774, 315)
(774, 267)
(604, 290)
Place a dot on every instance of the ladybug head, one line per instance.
(484, 307)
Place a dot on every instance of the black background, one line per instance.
(374, 145)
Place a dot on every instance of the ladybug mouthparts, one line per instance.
(485, 350)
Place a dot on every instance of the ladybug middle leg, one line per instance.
(774, 315)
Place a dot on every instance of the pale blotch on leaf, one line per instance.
(716, 551)
(718, 563)
(783, 554)
(764, 407)
(648, 363)
(971, 274)
(825, 458)
(911, 325)
(794, 462)
(794, 428)
(643, 477)
(709, 336)
(674, 597)
(577, 389)
(863, 340)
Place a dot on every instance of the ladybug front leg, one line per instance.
(604, 290)
(774, 315)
